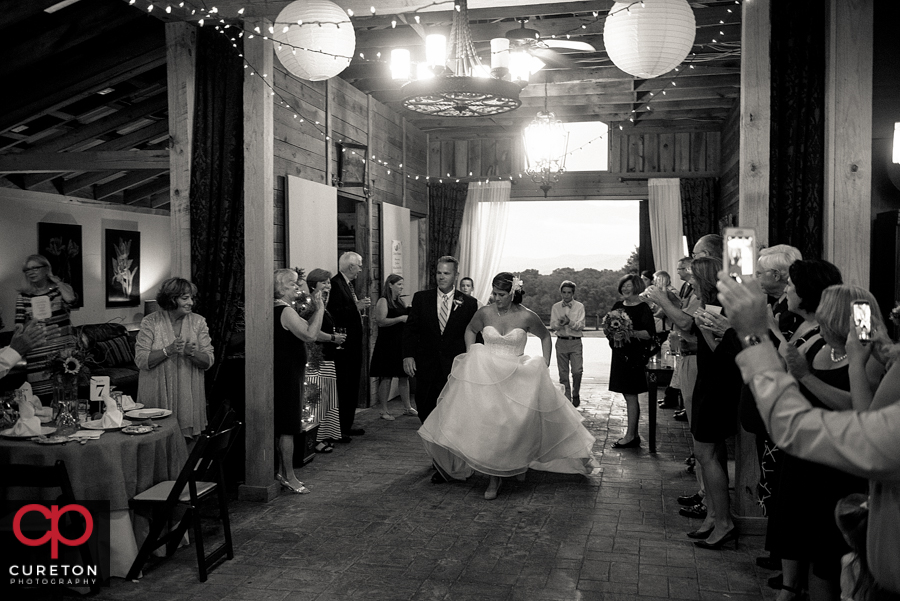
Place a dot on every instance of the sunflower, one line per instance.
(71, 365)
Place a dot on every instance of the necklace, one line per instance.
(498, 310)
(837, 359)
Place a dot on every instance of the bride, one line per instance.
(500, 413)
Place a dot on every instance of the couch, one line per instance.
(111, 347)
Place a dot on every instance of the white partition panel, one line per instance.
(396, 247)
(311, 225)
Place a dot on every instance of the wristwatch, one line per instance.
(332, 337)
(754, 339)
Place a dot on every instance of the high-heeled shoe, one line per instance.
(297, 490)
(700, 534)
(491, 493)
(730, 536)
(634, 443)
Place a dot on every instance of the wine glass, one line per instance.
(339, 330)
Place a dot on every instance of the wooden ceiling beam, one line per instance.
(430, 124)
(15, 13)
(135, 195)
(78, 77)
(84, 180)
(129, 180)
(62, 162)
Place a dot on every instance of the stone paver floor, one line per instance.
(375, 528)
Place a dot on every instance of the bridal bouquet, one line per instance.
(618, 327)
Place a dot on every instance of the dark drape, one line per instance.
(797, 151)
(446, 203)
(699, 215)
(217, 193)
(645, 244)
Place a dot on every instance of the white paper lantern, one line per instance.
(651, 37)
(318, 48)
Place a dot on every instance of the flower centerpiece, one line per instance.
(69, 369)
(618, 327)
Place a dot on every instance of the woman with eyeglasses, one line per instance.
(45, 297)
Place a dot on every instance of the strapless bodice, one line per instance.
(513, 343)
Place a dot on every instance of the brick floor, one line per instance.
(375, 527)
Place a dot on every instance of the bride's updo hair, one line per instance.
(504, 281)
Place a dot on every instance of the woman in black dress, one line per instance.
(626, 373)
(292, 332)
(387, 360)
(803, 528)
(717, 392)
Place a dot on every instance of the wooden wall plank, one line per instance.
(682, 151)
(504, 156)
(666, 153)
(698, 151)
(474, 156)
(651, 153)
(448, 159)
(460, 158)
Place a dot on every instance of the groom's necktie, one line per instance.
(445, 311)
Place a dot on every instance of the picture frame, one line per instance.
(61, 244)
(122, 260)
(352, 165)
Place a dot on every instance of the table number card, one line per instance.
(99, 387)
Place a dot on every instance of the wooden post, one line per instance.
(329, 143)
(753, 209)
(181, 55)
(259, 259)
(848, 139)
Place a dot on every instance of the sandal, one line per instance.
(387, 416)
(324, 447)
(410, 411)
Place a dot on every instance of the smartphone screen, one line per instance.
(862, 319)
(740, 252)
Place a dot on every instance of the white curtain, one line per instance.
(483, 234)
(666, 232)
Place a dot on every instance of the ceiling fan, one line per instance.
(545, 49)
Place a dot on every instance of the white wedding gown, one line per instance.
(500, 414)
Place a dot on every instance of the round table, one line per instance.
(113, 468)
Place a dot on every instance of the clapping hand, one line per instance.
(190, 348)
(564, 321)
(177, 347)
(745, 303)
(712, 322)
(796, 363)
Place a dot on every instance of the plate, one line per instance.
(136, 406)
(51, 440)
(94, 424)
(137, 429)
(45, 430)
(148, 413)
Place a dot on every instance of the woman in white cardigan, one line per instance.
(173, 350)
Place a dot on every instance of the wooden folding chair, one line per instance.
(190, 489)
(43, 476)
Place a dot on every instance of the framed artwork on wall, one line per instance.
(61, 244)
(352, 165)
(123, 262)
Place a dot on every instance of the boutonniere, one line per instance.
(458, 302)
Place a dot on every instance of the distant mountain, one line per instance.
(546, 265)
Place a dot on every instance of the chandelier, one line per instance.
(460, 86)
(546, 143)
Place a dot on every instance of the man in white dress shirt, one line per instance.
(567, 320)
(23, 340)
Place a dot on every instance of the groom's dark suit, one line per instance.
(348, 361)
(433, 351)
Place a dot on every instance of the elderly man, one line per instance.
(567, 320)
(772, 275)
(863, 443)
(345, 307)
(23, 340)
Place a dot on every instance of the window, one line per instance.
(588, 146)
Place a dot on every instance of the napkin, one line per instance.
(28, 424)
(146, 413)
(39, 408)
(87, 434)
(127, 403)
(112, 417)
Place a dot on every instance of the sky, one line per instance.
(591, 229)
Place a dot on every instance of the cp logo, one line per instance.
(53, 514)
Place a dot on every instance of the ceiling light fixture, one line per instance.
(460, 86)
(546, 145)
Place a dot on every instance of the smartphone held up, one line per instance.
(862, 320)
(740, 252)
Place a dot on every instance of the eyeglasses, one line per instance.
(30, 269)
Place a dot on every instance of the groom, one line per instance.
(433, 334)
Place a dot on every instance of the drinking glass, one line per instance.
(340, 331)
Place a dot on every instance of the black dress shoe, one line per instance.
(576, 400)
(730, 537)
(437, 478)
(698, 511)
(634, 443)
(690, 500)
(667, 404)
(776, 582)
(769, 563)
(356, 432)
(345, 439)
(680, 416)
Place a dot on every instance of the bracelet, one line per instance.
(332, 337)
(165, 352)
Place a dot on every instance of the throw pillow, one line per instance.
(115, 352)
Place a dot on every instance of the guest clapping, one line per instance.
(291, 334)
(173, 349)
(390, 314)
